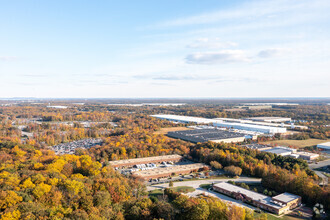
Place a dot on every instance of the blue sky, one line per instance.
(109, 49)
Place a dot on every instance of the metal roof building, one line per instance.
(145, 160)
(229, 123)
(283, 151)
(324, 146)
(204, 135)
(278, 204)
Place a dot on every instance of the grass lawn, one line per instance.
(183, 189)
(166, 130)
(156, 192)
(205, 186)
(297, 143)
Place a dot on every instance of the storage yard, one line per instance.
(169, 171)
(145, 160)
(69, 148)
(204, 135)
(279, 204)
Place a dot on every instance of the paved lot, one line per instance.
(319, 164)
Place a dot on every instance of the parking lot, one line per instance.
(149, 166)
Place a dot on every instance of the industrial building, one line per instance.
(145, 160)
(283, 151)
(261, 127)
(169, 171)
(324, 147)
(205, 135)
(279, 204)
(250, 127)
(307, 155)
(270, 119)
(185, 119)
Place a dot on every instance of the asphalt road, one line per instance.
(320, 174)
(319, 164)
(196, 183)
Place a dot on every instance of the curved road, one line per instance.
(196, 183)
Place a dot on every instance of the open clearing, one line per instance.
(166, 130)
(297, 143)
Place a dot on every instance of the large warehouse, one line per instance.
(283, 151)
(324, 147)
(270, 119)
(226, 123)
(250, 127)
(279, 204)
(205, 135)
(184, 119)
(144, 160)
(169, 171)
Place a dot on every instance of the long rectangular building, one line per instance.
(278, 204)
(169, 171)
(226, 123)
(144, 160)
(204, 135)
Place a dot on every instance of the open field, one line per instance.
(166, 130)
(297, 143)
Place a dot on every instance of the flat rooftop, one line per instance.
(303, 153)
(276, 150)
(286, 197)
(270, 119)
(167, 170)
(204, 135)
(325, 145)
(145, 159)
(255, 196)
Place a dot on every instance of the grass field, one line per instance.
(297, 143)
(166, 130)
(205, 186)
(180, 189)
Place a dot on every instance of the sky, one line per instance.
(164, 49)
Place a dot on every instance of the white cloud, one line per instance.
(208, 43)
(224, 56)
(7, 58)
(273, 52)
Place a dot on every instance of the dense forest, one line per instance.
(37, 184)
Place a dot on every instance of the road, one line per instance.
(314, 166)
(196, 183)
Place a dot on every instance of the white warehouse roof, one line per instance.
(186, 119)
(324, 145)
(221, 123)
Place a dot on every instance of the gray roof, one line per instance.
(204, 135)
(277, 151)
(286, 197)
(253, 195)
